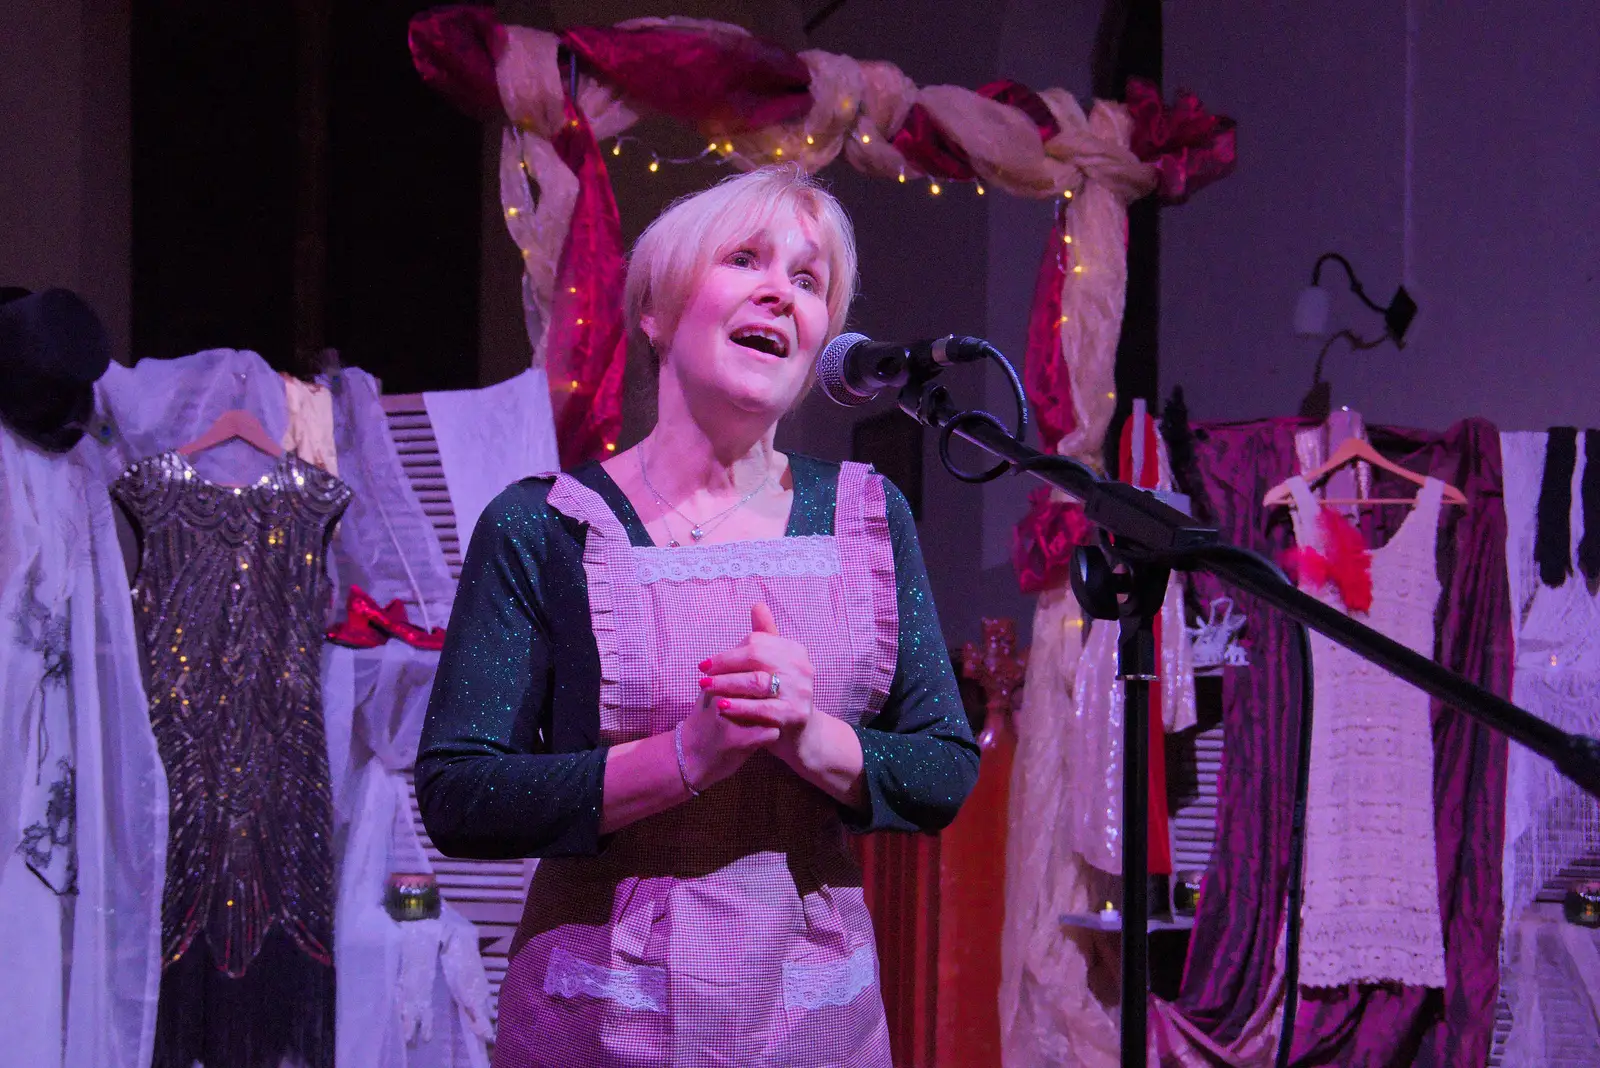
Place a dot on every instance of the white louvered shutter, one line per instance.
(1197, 771)
(487, 892)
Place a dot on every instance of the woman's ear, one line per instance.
(647, 326)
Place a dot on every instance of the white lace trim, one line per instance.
(814, 986)
(639, 987)
(810, 555)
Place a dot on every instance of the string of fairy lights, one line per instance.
(718, 151)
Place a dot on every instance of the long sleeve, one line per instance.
(510, 764)
(920, 760)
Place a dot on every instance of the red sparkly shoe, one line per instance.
(396, 624)
(359, 628)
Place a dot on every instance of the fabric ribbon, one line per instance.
(699, 72)
(1046, 373)
(455, 50)
(587, 347)
(1042, 543)
(934, 153)
(1189, 147)
(1070, 357)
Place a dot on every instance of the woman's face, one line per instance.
(751, 330)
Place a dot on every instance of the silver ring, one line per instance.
(772, 687)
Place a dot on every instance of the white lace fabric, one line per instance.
(1554, 968)
(816, 986)
(810, 555)
(1556, 635)
(1550, 823)
(642, 987)
(78, 762)
(1371, 909)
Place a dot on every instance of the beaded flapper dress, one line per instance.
(228, 604)
(1371, 910)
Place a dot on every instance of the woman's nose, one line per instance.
(775, 289)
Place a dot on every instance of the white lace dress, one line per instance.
(1371, 910)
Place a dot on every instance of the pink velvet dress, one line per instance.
(730, 930)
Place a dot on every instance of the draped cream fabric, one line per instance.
(1049, 1015)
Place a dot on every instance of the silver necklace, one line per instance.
(697, 531)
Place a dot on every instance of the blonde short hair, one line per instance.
(674, 252)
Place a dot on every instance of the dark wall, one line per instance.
(403, 210)
(1450, 147)
(213, 177)
(295, 186)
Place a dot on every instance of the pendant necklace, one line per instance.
(697, 531)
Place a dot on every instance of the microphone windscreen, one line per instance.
(830, 370)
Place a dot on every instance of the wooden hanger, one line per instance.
(231, 424)
(1357, 449)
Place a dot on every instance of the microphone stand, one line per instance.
(1142, 541)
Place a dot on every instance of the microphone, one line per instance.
(854, 369)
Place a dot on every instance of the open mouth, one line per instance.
(761, 339)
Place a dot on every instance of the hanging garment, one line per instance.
(1371, 910)
(157, 405)
(310, 434)
(386, 545)
(731, 929)
(79, 919)
(230, 600)
(1232, 982)
(390, 974)
(1556, 628)
(1550, 823)
(488, 438)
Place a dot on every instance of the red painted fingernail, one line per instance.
(705, 665)
(705, 684)
(724, 704)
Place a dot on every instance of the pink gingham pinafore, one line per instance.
(730, 930)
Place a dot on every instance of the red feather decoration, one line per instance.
(1347, 563)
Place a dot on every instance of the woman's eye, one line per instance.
(807, 282)
(742, 259)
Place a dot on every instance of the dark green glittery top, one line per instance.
(511, 763)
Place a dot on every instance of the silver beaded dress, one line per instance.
(229, 602)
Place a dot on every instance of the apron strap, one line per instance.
(605, 540)
(866, 557)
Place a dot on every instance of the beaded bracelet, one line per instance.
(683, 767)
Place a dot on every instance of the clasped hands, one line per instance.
(738, 714)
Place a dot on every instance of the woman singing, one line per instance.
(680, 675)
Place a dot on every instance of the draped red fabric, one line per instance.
(455, 50)
(1044, 370)
(1189, 147)
(1042, 543)
(723, 79)
(587, 348)
(927, 148)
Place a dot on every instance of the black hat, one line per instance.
(52, 351)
